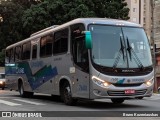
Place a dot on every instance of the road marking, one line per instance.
(9, 103)
(30, 102)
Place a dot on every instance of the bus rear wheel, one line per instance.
(22, 92)
(117, 100)
(67, 95)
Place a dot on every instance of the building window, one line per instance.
(144, 19)
(135, 1)
(134, 9)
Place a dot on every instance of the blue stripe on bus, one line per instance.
(35, 80)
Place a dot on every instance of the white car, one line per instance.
(2, 81)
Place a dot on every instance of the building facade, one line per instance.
(156, 22)
(147, 13)
(141, 13)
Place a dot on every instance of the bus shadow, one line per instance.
(90, 104)
(107, 104)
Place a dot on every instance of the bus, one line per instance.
(86, 58)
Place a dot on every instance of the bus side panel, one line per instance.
(11, 77)
(81, 84)
(79, 80)
(63, 64)
(11, 82)
(43, 74)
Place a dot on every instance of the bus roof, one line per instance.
(106, 21)
(86, 21)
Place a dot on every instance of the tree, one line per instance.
(51, 12)
(24, 17)
(111, 9)
(11, 28)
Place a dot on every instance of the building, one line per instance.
(156, 22)
(141, 13)
(156, 37)
(135, 11)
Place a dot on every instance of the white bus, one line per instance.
(87, 58)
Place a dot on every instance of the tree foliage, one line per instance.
(51, 12)
(11, 29)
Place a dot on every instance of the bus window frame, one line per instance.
(68, 39)
(28, 58)
(40, 46)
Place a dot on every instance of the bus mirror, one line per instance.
(88, 39)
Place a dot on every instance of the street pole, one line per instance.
(153, 44)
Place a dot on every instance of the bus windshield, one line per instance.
(120, 47)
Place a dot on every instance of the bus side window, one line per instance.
(8, 54)
(46, 44)
(26, 50)
(79, 51)
(60, 44)
(34, 51)
(17, 53)
(11, 55)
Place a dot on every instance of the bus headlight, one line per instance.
(149, 82)
(100, 82)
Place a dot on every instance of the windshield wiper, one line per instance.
(136, 59)
(121, 52)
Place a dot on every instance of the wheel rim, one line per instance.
(21, 90)
(67, 94)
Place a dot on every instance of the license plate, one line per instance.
(130, 91)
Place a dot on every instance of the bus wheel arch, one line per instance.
(21, 90)
(66, 93)
(20, 87)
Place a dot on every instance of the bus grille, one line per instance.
(128, 85)
(122, 93)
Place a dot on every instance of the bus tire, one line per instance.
(24, 93)
(67, 95)
(21, 90)
(117, 100)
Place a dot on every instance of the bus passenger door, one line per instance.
(81, 63)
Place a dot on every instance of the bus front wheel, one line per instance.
(67, 95)
(117, 100)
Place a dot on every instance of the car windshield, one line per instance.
(2, 75)
(120, 47)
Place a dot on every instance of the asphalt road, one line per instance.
(45, 105)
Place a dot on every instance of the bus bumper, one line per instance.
(121, 92)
